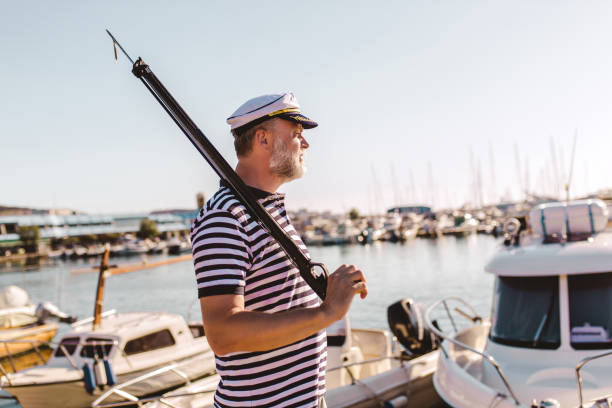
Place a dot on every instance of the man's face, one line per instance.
(288, 148)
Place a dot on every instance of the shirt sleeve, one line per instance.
(221, 256)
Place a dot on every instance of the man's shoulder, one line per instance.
(223, 203)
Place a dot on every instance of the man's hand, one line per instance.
(342, 286)
(226, 321)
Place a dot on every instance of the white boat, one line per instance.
(364, 369)
(548, 340)
(89, 361)
(177, 246)
(134, 247)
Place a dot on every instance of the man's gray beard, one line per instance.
(283, 163)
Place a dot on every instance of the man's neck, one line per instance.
(258, 176)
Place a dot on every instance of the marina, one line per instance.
(429, 227)
(394, 271)
(367, 354)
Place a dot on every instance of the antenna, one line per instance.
(474, 182)
(413, 191)
(527, 185)
(493, 192)
(571, 170)
(115, 44)
(431, 184)
(396, 193)
(377, 190)
(479, 185)
(553, 155)
(518, 168)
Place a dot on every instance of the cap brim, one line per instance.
(306, 122)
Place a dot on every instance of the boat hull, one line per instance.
(25, 338)
(72, 394)
(411, 379)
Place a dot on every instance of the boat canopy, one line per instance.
(534, 258)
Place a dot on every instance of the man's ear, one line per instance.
(263, 139)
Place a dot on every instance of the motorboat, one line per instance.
(178, 246)
(134, 247)
(110, 349)
(95, 250)
(365, 367)
(547, 342)
(158, 247)
(25, 326)
(126, 346)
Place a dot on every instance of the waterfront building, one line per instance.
(53, 226)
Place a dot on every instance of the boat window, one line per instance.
(69, 344)
(149, 342)
(100, 347)
(196, 329)
(590, 303)
(526, 312)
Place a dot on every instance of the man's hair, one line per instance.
(243, 139)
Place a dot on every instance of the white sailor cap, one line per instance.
(266, 107)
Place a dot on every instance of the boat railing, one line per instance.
(62, 346)
(161, 398)
(579, 366)
(118, 390)
(474, 318)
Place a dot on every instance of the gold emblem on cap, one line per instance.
(278, 112)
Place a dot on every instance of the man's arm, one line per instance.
(229, 328)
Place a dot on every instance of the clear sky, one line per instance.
(415, 99)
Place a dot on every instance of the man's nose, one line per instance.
(304, 143)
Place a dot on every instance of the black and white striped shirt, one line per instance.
(232, 254)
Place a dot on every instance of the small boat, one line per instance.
(126, 346)
(55, 253)
(79, 251)
(95, 250)
(178, 246)
(24, 326)
(158, 247)
(365, 367)
(134, 247)
(548, 340)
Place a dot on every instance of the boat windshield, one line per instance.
(590, 302)
(526, 312)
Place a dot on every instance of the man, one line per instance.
(263, 322)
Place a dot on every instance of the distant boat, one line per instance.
(178, 246)
(95, 250)
(158, 247)
(134, 247)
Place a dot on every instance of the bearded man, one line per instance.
(265, 325)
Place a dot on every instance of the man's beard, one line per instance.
(284, 163)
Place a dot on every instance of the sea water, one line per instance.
(422, 269)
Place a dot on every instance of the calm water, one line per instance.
(424, 270)
(421, 269)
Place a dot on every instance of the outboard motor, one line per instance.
(407, 323)
(46, 310)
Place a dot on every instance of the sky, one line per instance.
(440, 103)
